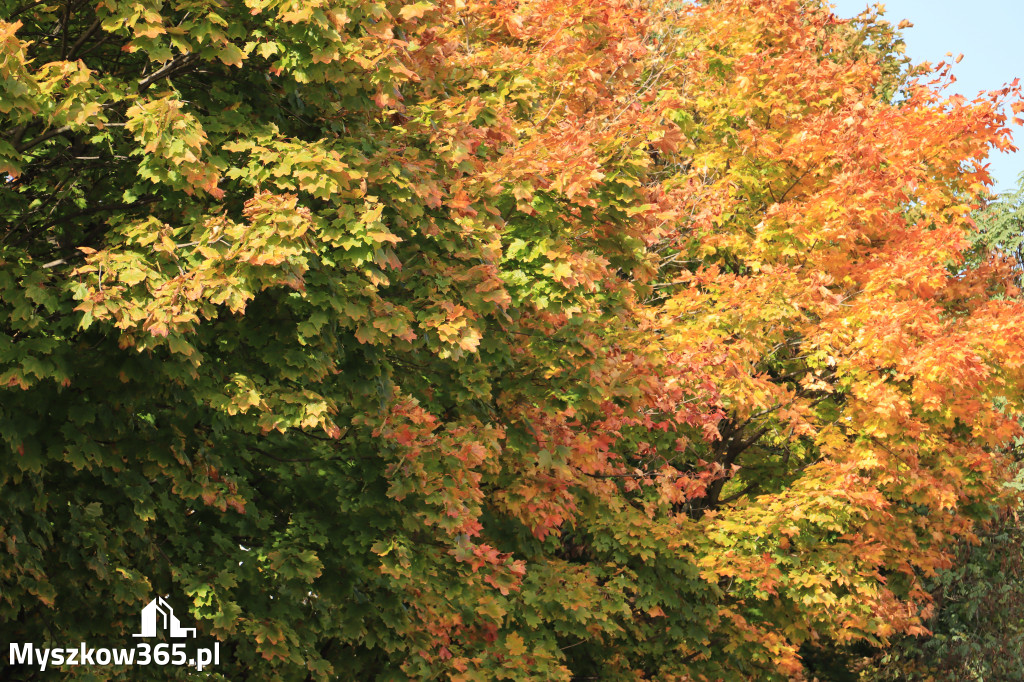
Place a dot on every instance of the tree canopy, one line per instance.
(590, 339)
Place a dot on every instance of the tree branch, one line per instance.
(82, 38)
(41, 138)
(54, 132)
(171, 67)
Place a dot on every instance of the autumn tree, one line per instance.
(468, 340)
(973, 630)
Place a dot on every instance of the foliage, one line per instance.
(976, 631)
(474, 340)
(1000, 227)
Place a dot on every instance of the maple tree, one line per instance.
(973, 633)
(471, 340)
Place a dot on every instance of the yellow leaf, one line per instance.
(516, 645)
(415, 11)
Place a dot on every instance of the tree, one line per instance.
(973, 632)
(1000, 227)
(539, 340)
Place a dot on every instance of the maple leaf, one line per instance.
(416, 10)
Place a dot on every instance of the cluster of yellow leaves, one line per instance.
(837, 321)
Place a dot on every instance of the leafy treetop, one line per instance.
(516, 340)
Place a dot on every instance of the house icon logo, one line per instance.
(160, 612)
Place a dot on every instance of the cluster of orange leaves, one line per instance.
(828, 227)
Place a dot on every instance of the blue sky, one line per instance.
(989, 33)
